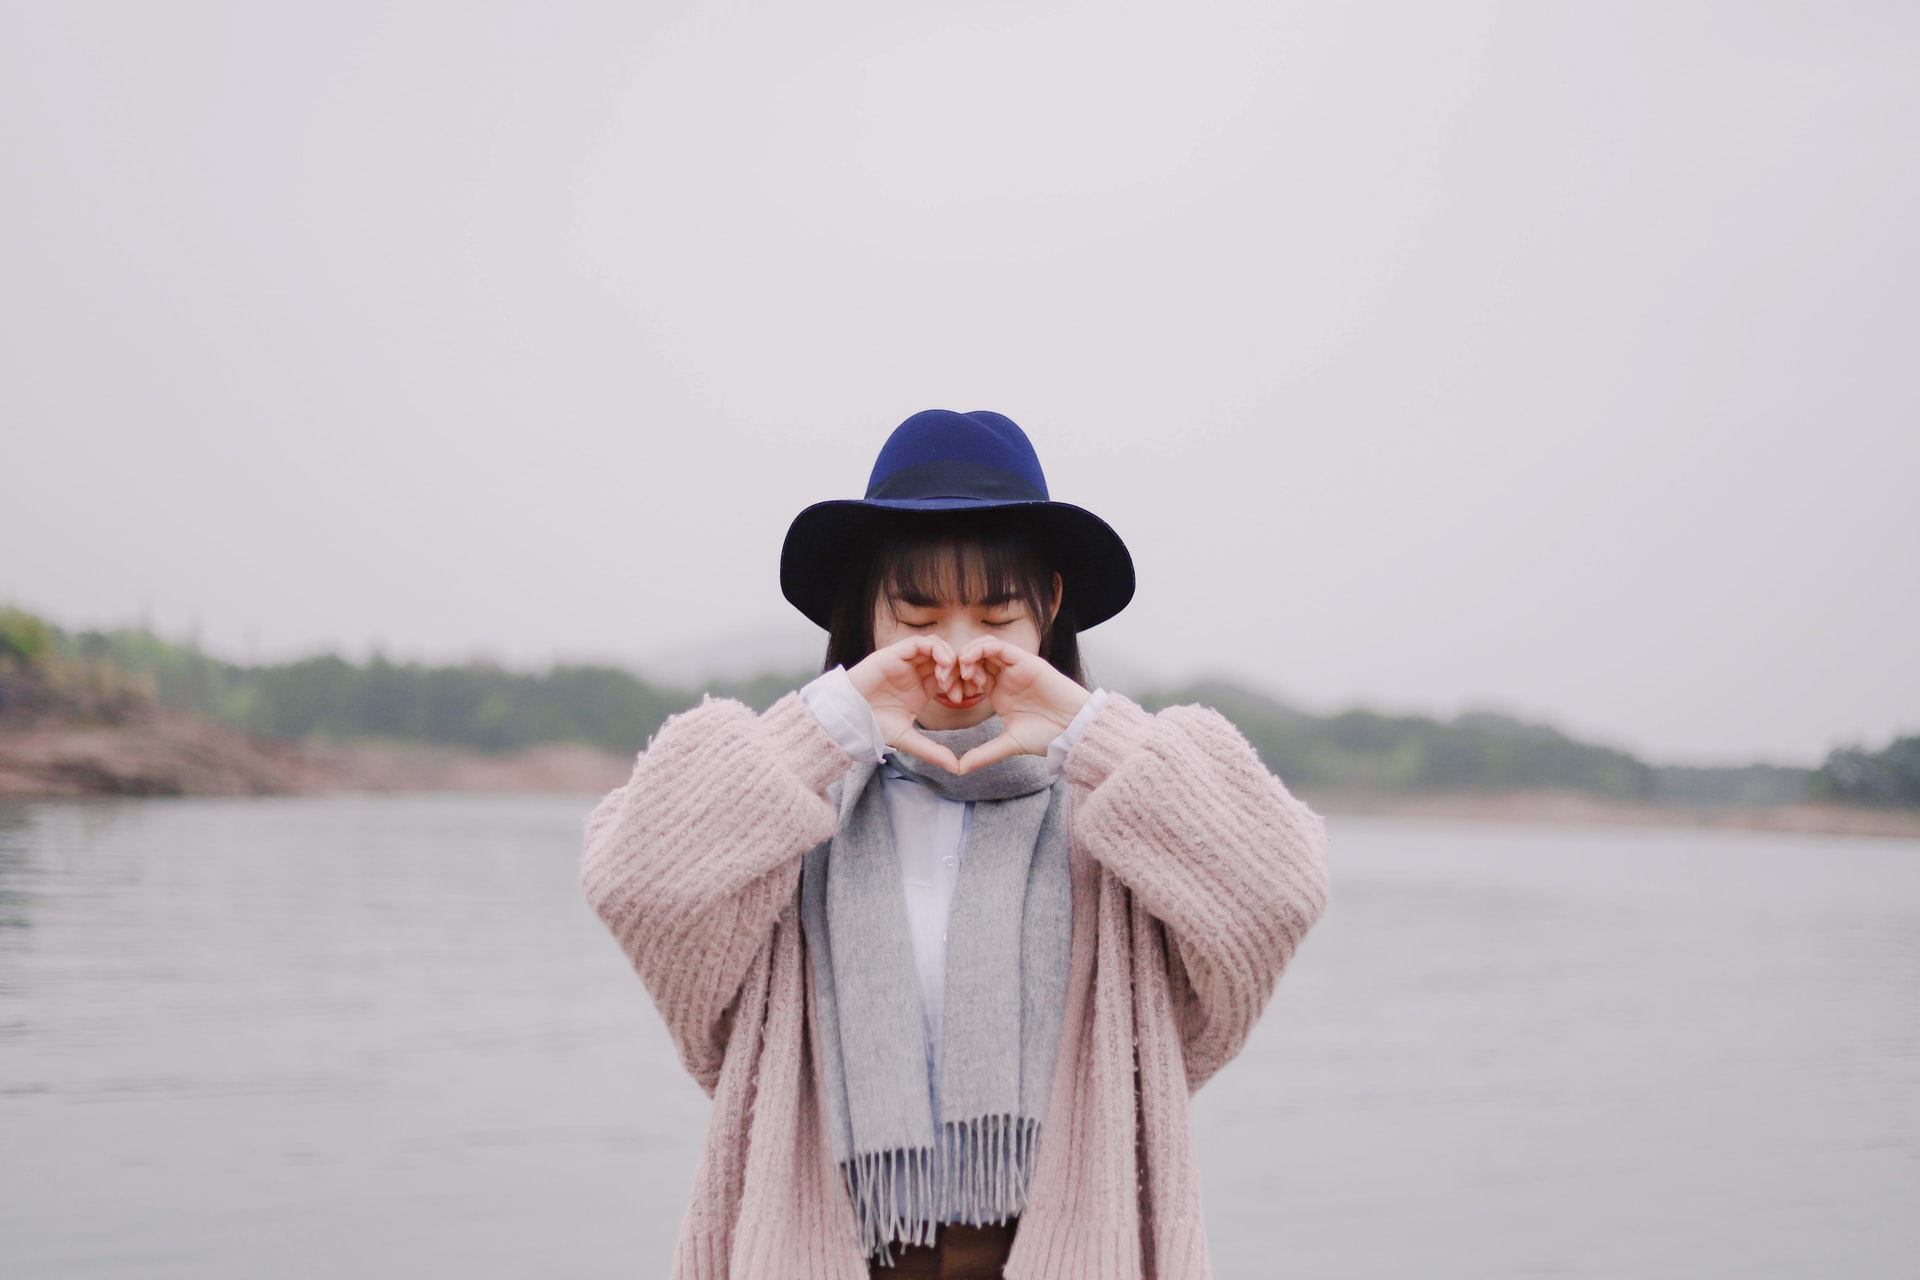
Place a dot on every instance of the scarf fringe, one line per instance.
(978, 1171)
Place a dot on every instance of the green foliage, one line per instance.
(477, 704)
(24, 638)
(1888, 776)
(43, 675)
(1367, 751)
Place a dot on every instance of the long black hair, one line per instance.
(963, 555)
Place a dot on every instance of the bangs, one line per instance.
(973, 568)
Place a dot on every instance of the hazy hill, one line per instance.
(489, 708)
(1361, 750)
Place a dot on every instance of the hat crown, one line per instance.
(937, 442)
(937, 465)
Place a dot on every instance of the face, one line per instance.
(958, 623)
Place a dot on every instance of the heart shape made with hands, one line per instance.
(1034, 700)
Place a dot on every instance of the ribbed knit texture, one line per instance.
(1195, 876)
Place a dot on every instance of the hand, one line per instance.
(897, 682)
(1032, 697)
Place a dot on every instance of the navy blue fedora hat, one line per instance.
(946, 462)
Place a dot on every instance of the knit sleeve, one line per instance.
(1179, 807)
(691, 862)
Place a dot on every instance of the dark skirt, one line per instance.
(958, 1252)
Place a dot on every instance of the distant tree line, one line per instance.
(487, 707)
(1890, 776)
(1479, 750)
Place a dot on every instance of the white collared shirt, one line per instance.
(929, 833)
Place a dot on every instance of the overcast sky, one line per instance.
(1558, 359)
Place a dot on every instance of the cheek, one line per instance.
(1023, 635)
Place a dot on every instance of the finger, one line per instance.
(934, 687)
(976, 646)
(987, 659)
(926, 649)
(973, 679)
(939, 654)
(990, 752)
(919, 744)
(950, 668)
(977, 651)
(949, 662)
(994, 654)
(938, 679)
(929, 654)
(917, 647)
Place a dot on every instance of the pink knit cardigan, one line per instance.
(1195, 875)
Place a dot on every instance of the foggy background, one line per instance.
(1555, 359)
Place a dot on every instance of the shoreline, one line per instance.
(170, 754)
(1574, 808)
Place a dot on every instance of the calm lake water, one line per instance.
(384, 1037)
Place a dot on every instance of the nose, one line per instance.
(959, 632)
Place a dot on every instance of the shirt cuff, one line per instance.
(844, 714)
(1057, 749)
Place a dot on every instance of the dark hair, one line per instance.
(974, 555)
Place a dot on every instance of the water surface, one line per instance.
(385, 1037)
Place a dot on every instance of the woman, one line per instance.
(948, 937)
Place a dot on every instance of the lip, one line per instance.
(974, 701)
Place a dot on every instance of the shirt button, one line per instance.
(949, 859)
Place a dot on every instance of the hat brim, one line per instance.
(1095, 566)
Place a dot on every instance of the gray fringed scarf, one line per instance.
(1010, 935)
